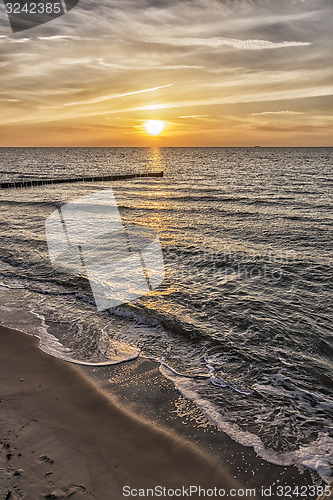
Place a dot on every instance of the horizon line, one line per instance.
(164, 147)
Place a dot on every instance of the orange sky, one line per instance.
(218, 73)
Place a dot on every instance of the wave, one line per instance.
(119, 353)
(316, 455)
(26, 203)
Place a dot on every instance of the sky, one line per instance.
(216, 72)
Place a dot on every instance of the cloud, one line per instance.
(193, 116)
(7, 39)
(116, 96)
(277, 113)
(57, 37)
(149, 64)
(241, 58)
(229, 42)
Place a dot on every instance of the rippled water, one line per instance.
(242, 324)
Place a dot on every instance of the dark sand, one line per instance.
(63, 437)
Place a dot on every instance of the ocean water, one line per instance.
(242, 323)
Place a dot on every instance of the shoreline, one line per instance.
(61, 436)
(141, 387)
(53, 402)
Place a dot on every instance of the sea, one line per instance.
(241, 323)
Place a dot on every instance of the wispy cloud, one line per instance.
(7, 39)
(277, 113)
(149, 64)
(193, 116)
(232, 42)
(116, 96)
(57, 37)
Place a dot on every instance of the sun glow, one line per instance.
(154, 127)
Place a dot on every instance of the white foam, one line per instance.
(111, 351)
(117, 353)
(291, 391)
(163, 364)
(219, 382)
(316, 456)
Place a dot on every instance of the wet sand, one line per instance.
(140, 387)
(61, 436)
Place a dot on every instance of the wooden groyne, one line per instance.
(100, 178)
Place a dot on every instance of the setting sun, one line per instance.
(154, 127)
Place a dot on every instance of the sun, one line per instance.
(154, 127)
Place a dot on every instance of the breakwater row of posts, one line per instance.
(100, 178)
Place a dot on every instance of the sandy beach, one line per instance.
(62, 437)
